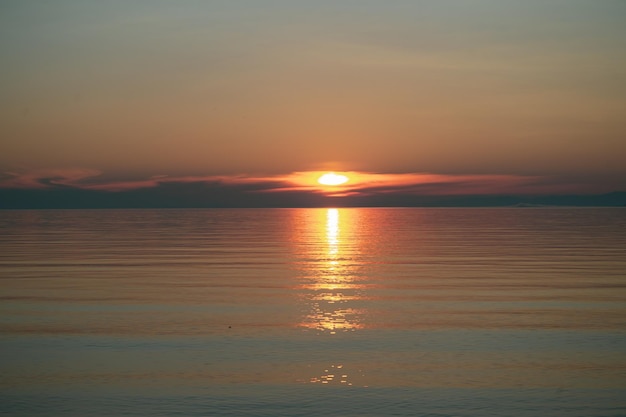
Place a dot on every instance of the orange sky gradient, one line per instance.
(423, 98)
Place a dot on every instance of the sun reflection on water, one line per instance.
(331, 274)
(332, 231)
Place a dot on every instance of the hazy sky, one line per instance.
(131, 89)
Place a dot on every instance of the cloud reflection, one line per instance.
(332, 286)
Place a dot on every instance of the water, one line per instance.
(306, 312)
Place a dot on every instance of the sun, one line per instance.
(330, 178)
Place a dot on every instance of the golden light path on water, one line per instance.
(332, 287)
(332, 233)
(331, 278)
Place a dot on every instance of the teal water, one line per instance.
(303, 312)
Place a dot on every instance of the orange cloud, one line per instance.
(366, 183)
(358, 184)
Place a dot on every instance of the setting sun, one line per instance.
(330, 178)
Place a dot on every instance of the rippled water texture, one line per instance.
(303, 312)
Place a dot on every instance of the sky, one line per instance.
(245, 102)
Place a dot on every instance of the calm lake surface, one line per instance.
(313, 312)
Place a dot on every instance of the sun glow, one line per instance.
(330, 178)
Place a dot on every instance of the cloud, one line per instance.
(64, 188)
(367, 183)
(88, 179)
(46, 178)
